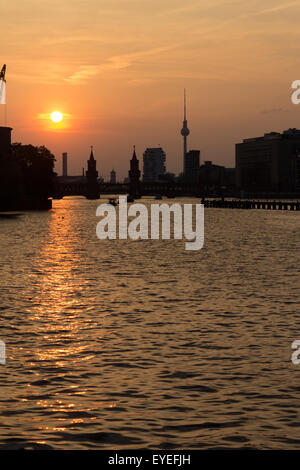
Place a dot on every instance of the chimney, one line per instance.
(65, 164)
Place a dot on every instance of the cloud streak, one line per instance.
(118, 62)
(280, 7)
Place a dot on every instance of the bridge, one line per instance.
(69, 187)
(79, 186)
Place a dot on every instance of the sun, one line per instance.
(56, 116)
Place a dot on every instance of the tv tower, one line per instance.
(184, 132)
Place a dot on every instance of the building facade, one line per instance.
(192, 165)
(216, 178)
(5, 141)
(154, 164)
(270, 163)
(211, 176)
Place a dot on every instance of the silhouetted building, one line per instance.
(169, 177)
(211, 176)
(93, 191)
(270, 163)
(5, 141)
(134, 176)
(154, 164)
(11, 185)
(65, 164)
(113, 177)
(216, 178)
(192, 165)
(229, 177)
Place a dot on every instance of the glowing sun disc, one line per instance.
(56, 116)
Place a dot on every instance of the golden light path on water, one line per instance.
(122, 344)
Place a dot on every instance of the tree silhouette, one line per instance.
(36, 165)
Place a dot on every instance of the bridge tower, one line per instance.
(93, 190)
(134, 176)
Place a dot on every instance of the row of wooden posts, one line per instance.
(248, 204)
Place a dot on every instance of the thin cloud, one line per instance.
(84, 73)
(114, 63)
(273, 111)
(42, 72)
(142, 81)
(189, 8)
(280, 7)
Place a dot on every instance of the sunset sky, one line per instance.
(117, 69)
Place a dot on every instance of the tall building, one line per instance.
(154, 164)
(65, 164)
(270, 163)
(192, 165)
(134, 176)
(184, 132)
(113, 177)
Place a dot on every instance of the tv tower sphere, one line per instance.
(185, 131)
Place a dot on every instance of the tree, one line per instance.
(36, 165)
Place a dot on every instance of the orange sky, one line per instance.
(117, 68)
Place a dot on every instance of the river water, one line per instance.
(122, 344)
